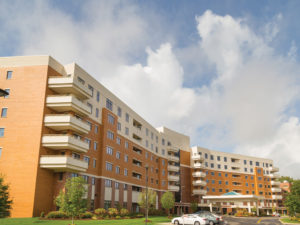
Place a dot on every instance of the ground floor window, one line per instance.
(107, 204)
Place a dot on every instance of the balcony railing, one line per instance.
(172, 149)
(199, 183)
(276, 189)
(274, 176)
(199, 174)
(61, 122)
(173, 178)
(69, 85)
(198, 165)
(197, 157)
(277, 197)
(173, 188)
(173, 158)
(273, 169)
(199, 192)
(173, 168)
(63, 163)
(63, 141)
(63, 103)
(275, 183)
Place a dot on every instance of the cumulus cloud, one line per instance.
(240, 93)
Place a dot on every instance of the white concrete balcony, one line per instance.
(172, 149)
(69, 85)
(198, 165)
(61, 122)
(173, 178)
(277, 197)
(276, 190)
(63, 103)
(199, 192)
(173, 168)
(135, 196)
(173, 158)
(199, 174)
(173, 188)
(275, 183)
(273, 169)
(199, 183)
(63, 163)
(274, 176)
(58, 142)
(197, 157)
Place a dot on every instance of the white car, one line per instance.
(188, 219)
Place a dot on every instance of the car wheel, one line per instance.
(211, 223)
(176, 222)
(196, 223)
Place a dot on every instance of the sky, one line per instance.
(226, 73)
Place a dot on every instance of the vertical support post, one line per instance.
(249, 207)
(257, 210)
(210, 207)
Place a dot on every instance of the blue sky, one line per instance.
(226, 73)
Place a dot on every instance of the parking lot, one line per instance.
(252, 221)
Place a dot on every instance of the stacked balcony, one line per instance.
(199, 183)
(61, 163)
(173, 168)
(174, 188)
(277, 197)
(275, 190)
(60, 122)
(63, 141)
(274, 176)
(275, 183)
(173, 177)
(198, 174)
(199, 192)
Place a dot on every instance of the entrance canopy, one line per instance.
(232, 196)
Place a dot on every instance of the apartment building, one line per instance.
(59, 122)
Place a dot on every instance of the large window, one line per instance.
(111, 119)
(110, 135)
(87, 159)
(108, 166)
(108, 183)
(109, 150)
(109, 104)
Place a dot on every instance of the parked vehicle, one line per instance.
(276, 214)
(212, 218)
(188, 219)
(218, 219)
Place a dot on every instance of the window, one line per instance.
(225, 159)
(219, 174)
(118, 140)
(250, 162)
(109, 104)
(117, 184)
(211, 157)
(92, 89)
(110, 135)
(225, 167)
(251, 170)
(108, 166)
(246, 184)
(94, 163)
(127, 117)
(212, 165)
(88, 141)
(125, 187)
(163, 141)
(4, 112)
(226, 175)
(163, 172)
(96, 129)
(152, 135)
(74, 174)
(0, 152)
(119, 112)
(126, 144)
(213, 190)
(146, 155)
(226, 182)
(259, 178)
(259, 171)
(86, 178)
(212, 181)
(245, 162)
(75, 155)
(212, 173)
(95, 145)
(60, 176)
(125, 172)
(93, 180)
(80, 80)
(219, 166)
(246, 177)
(111, 119)
(1, 132)
(126, 130)
(109, 150)
(156, 138)
(220, 190)
(163, 162)
(218, 158)
(8, 91)
(90, 106)
(147, 144)
(97, 112)
(117, 169)
(119, 126)
(108, 183)
(118, 155)
(220, 182)
(98, 96)
(206, 164)
(163, 152)
(126, 158)
(147, 132)
(87, 159)
(8, 75)
(257, 163)
(206, 156)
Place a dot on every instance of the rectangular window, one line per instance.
(117, 169)
(245, 169)
(118, 155)
(75, 155)
(147, 144)
(0, 152)
(250, 163)
(126, 144)
(97, 112)
(126, 172)
(226, 182)
(88, 141)
(220, 182)
(152, 135)
(212, 181)
(109, 104)
(92, 89)
(126, 158)
(127, 117)
(94, 163)
(147, 132)
(212, 165)
(163, 162)
(108, 166)
(245, 162)
(163, 141)
(80, 80)
(257, 163)
(118, 140)
(110, 135)
(220, 190)
(206, 156)
(213, 190)
(98, 96)
(95, 145)
(212, 173)
(218, 158)
(87, 159)
(96, 129)
(225, 159)
(219, 166)
(86, 178)
(109, 150)
(90, 106)
(93, 180)
(211, 157)
(163, 152)
(119, 126)
(8, 75)
(225, 167)
(108, 183)
(126, 130)
(111, 119)
(4, 112)
(8, 91)
(119, 112)
(1, 132)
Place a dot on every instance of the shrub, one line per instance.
(139, 216)
(56, 215)
(106, 217)
(112, 212)
(42, 214)
(100, 212)
(124, 212)
(126, 217)
(86, 215)
(157, 212)
(118, 217)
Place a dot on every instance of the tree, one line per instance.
(292, 201)
(194, 206)
(71, 200)
(151, 199)
(283, 178)
(5, 202)
(167, 201)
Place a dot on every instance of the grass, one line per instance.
(30, 221)
(288, 220)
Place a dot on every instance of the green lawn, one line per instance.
(29, 221)
(287, 220)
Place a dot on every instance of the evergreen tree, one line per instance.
(5, 202)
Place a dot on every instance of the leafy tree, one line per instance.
(5, 202)
(71, 200)
(292, 201)
(194, 206)
(151, 199)
(283, 178)
(167, 201)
